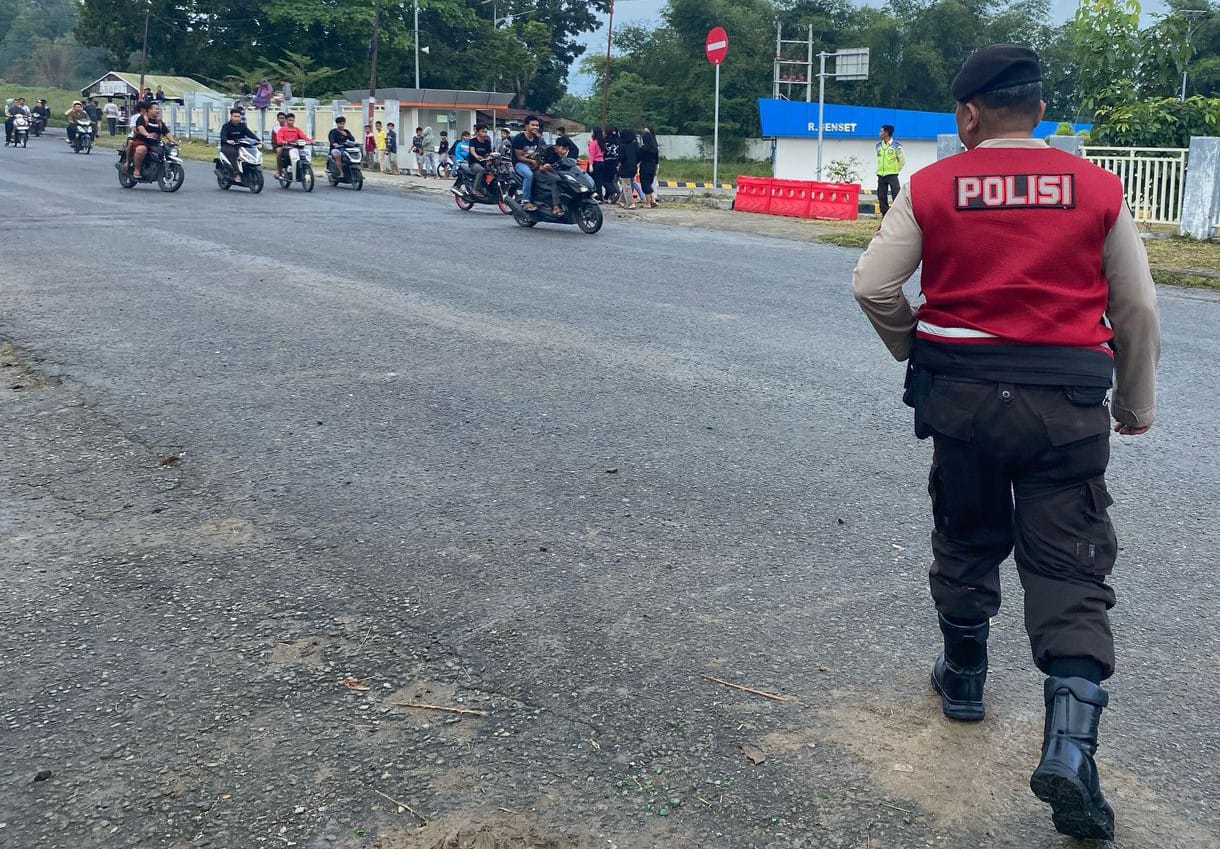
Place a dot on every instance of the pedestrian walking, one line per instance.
(650, 159)
(890, 159)
(391, 148)
(159, 96)
(629, 160)
(443, 151)
(286, 93)
(1037, 299)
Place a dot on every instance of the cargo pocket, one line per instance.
(947, 408)
(1097, 546)
(1069, 421)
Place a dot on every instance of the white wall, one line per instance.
(797, 159)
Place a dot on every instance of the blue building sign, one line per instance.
(797, 119)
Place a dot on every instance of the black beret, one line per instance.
(996, 66)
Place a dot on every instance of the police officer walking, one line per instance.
(1037, 293)
(890, 159)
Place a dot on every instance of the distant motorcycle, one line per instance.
(162, 166)
(21, 131)
(299, 170)
(249, 160)
(576, 198)
(498, 185)
(40, 124)
(82, 141)
(351, 154)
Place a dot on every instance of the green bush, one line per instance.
(1168, 122)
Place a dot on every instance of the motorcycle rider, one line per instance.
(289, 134)
(17, 107)
(76, 113)
(339, 138)
(281, 119)
(525, 152)
(41, 113)
(150, 130)
(477, 157)
(545, 176)
(232, 134)
(505, 147)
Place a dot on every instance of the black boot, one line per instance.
(961, 669)
(1066, 779)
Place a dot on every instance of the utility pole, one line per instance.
(373, 50)
(1191, 16)
(144, 51)
(417, 43)
(606, 75)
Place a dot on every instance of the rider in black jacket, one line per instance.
(231, 134)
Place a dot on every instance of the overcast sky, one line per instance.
(649, 12)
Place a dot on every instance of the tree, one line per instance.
(1105, 41)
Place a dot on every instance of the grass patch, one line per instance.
(700, 170)
(1179, 261)
(849, 234)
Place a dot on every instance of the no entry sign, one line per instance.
(717, 45)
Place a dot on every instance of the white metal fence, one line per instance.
(1154, 179)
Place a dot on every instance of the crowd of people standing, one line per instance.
(622, 162)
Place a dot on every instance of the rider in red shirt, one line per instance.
(286, 135)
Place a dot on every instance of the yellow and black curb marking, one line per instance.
(682, 184)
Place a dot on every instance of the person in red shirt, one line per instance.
(286, 135)
(1038, 300)
(281, 119)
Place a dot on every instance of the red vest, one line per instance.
(1012, 247)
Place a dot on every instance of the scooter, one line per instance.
(249, 160)
(82, 138)
(498, 184)
(299, 170)
(161, 165)
(351, 154)
(576, 198)
(21, 131)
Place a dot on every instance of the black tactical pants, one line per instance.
(1022, 467)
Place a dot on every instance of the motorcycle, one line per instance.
(82, 140)
(249, 160)
(21, 130)
(40, 124)
(351, 155)
(498, 185)
(576, 197)
(162, 165)
(299, 170)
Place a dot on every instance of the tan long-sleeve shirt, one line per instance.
(895, 254)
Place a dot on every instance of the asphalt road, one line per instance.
(272, 467)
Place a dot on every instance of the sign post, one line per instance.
(850, 64)
(717, 48)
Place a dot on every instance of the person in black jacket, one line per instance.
(650, 156)
(629, 159)
(231, 134)
(611, 149)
